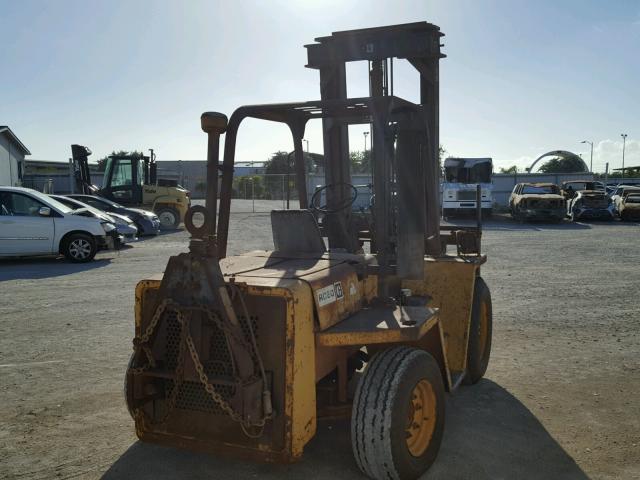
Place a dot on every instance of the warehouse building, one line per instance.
(12, 153)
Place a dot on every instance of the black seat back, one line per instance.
(296, 231)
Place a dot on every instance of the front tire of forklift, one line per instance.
(128, 399)
(169, 218)
(480, 332)
(398, 414)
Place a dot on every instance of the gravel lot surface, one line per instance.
(559, 401)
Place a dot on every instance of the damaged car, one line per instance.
(571, 187)
(629, 207)
(618, 194)
(127, 230)
(537, 201)
(590, 205)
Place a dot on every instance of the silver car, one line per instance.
(127, 230)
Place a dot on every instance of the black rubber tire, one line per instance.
(72, 244)
(128, 384)
(380, 410)
(478, 360)
(176, 215)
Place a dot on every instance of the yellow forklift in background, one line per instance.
(132, 181)
(243, 354)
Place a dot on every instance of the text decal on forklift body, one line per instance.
(330, 294)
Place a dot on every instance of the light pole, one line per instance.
(624, 143)
(365, 141)
(591, 162)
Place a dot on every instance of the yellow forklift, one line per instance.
(132, 181)
(242, 355)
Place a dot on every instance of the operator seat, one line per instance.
(296, 231)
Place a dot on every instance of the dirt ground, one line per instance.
(559, 401)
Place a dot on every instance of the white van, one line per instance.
(32, 223)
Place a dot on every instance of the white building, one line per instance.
(12, 153)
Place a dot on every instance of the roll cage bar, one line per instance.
(404, 147)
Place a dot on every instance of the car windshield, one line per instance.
(77, 205)
(575, 186)
(539, 189)
(46, 199)
(88, 199)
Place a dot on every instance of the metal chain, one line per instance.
(217, 398)
(141, 343)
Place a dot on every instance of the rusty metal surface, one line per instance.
(380, 325)
(449, 282)
(537, 205)
(284, 322)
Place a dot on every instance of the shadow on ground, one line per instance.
(490, 434)
(44, 267)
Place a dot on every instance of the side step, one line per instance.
(380, 325)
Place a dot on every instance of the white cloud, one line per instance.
(611, 151)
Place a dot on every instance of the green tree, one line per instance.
(360, 161)
(512, 169)
(570, 164)
(102, 162)
(441, 153)
(201, 187)
(248, 186)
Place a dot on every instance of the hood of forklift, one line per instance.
(339, 282)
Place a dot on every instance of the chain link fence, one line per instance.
(263, 193)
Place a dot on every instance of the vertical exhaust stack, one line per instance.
(203, 237)
(214, 124)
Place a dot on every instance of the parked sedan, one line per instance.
(127, 230)
(147, 222)
(32, 223)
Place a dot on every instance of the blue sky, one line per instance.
(520, 78)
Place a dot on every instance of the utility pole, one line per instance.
(624, 143)
(606, 176)
(365, 141)
(591, 162)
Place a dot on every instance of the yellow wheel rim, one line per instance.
(421, 418)
(484, 328)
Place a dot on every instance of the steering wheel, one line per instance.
(317, 195)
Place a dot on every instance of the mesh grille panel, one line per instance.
(192, 395)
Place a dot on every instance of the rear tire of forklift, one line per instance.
(397, 421)
(169, 218)
(128, 399)
(480, 332)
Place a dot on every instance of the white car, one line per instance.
(32, 223)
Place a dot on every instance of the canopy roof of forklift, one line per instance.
(354, 110)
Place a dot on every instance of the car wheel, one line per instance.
(169, 218)
(79, 248)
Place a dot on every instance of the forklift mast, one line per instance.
(405, 210)
(81, 173)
